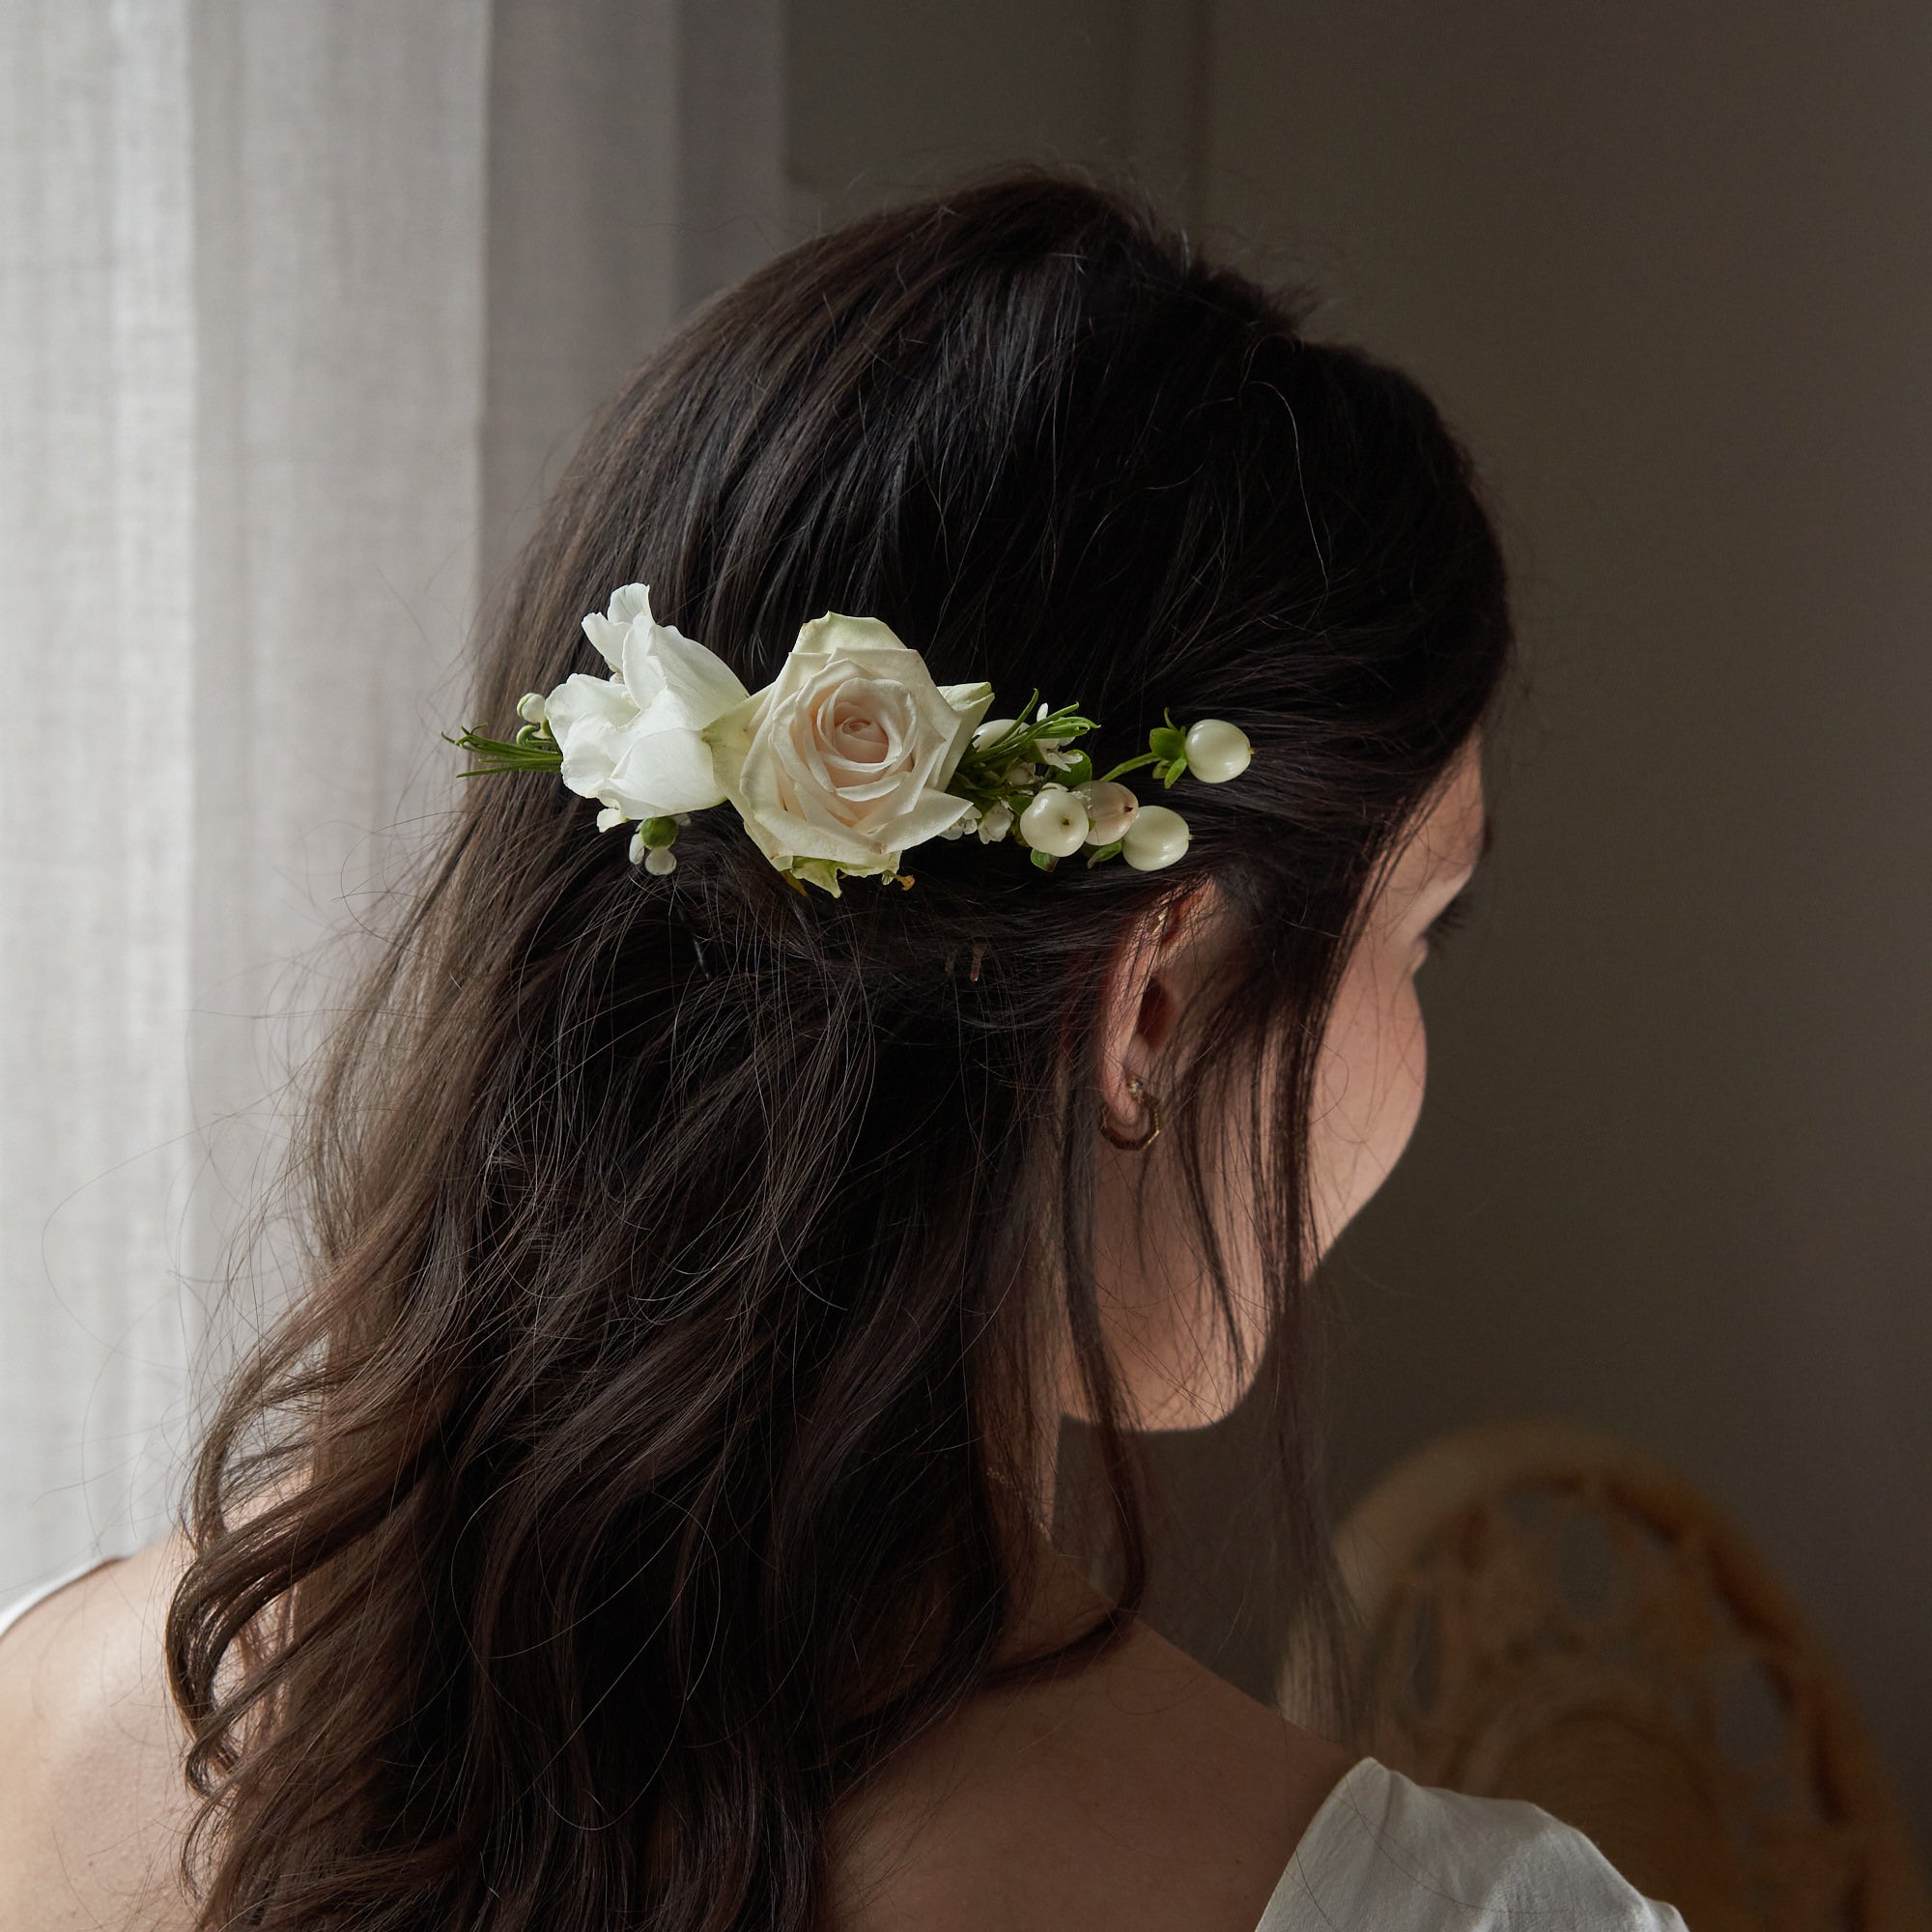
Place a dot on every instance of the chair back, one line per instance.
(1546, 1614)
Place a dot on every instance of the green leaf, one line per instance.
(1100, 852)
(1167, 743)
(1079, 770)
(1045, 861)
(1175, 768)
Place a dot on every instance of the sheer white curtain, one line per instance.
(299, 300)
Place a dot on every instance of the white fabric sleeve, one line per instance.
(1386, 1855)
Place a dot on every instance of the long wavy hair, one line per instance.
(644, 1459)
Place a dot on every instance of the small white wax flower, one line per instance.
(1156, 838)
(1054, 822)
(991, 732)
(995, 822)
(610, 818)
(637, 847)
(660, 860)
(1217, 751)
(530, 707)
(1111, 808)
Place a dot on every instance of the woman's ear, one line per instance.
(1158, 966)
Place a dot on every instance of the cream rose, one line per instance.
(633, 740)
(843, 762)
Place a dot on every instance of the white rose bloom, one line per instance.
(845, 761)
(634, 741)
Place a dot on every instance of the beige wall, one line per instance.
(1668, 270)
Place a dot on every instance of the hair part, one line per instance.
(644, 1460)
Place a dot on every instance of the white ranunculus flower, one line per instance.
(843, 762)
(634, 740)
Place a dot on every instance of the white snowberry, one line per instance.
(1156, 838)
(1111, 808)
(1054, 822)
(1217, 751)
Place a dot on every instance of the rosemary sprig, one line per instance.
(532, 750)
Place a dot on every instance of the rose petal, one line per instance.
(845, 637)
(933, 812)
(770, 806)
(971, 703)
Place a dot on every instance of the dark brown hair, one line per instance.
(640, 1464)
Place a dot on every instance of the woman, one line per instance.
(642, 1517)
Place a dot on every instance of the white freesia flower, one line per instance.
(634, 740)
(843, 762)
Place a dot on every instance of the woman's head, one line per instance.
(1181, 1367)
(697, 1265)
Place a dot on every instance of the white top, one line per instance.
(1383, 1855)
(14, 1613)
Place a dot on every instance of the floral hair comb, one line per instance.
(851, 756)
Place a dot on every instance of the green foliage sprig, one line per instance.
(531, 750)
(1166, 753)
(1005, 769)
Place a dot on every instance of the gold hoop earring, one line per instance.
(1134, 1143)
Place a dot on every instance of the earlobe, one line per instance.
(1150, 1130)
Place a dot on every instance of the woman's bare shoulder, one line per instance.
(1143, 1792)
(92, 1804)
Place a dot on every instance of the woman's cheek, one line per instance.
(1369, 1088)
(1407, 1060)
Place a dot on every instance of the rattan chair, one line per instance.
(1546, 1614)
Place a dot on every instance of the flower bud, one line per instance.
(1111, 808)
(530, 707)
(1054, 822)
(1217, 751)
(1155, 839)
(992, 732)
